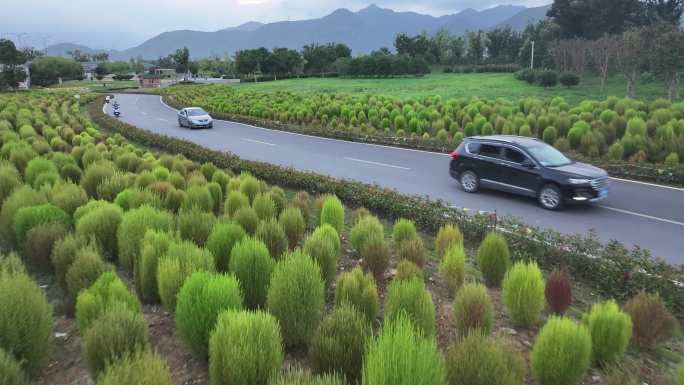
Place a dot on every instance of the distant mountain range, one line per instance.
(366, 30)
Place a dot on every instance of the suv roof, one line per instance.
(511, 139)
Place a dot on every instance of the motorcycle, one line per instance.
(116, 110)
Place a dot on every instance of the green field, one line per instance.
(95, 85)
(460, 85)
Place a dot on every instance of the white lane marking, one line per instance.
(648, 184)
(143, 112)
(642, 215)
(376, 163)
(257, 141)
(401, 148)
(163, 120)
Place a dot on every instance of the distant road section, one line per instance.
(643, 214)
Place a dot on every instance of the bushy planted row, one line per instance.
(612, 129)
(206, 271)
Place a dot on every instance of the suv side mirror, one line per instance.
(527, 163)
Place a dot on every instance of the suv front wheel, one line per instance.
(470, 183)
(550, 197)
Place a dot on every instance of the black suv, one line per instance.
(526, 166)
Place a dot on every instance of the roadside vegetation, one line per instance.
(612, 129)
(253, 278)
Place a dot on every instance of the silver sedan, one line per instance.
(194, 117)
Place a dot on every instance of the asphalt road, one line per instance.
(647, 215)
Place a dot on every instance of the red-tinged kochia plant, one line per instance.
(558, 291)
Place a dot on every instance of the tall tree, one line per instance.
(182, 60)
(477, 43)
(631, 56)
(591, 19)
(10, 60)
(602, 52)
(667, 58)
(665, 11)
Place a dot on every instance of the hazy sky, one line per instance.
(121, 24)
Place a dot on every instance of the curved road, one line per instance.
(647, 215)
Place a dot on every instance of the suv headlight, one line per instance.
(579, 181)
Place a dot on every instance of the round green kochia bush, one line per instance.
(411, 250)
(250, 186)
(411, 297)
(10, 370)
(154, 246)
(247, 218)
(39, 243)
(221, 240)
(376, 255)
(493, 258)
(328, 232)
(117, 333)
(10, 179)
(408, 270)
(332, 213)
(562, 352)
(140, 368)
(293, 224)
(245, 348)
(95, 174)
(63, 254)
(86, 268)
(297, 376)
(235, 200)
(401, 355)
(447, 236)
(132, 230)
(102, 224)
(322, 250)
(200, 301)
(358, 290)
(107, 291)
(21, 197)
(473, 309)
(195, 225)
(477, 359)
(522, 293)
(25, 321)
(368, 227)
(182, 258)
(198, 198)
(28, 217)
(452, 267)
(252, 264)
(610, 330)
(68, 196)
(339, 342)
(37, 166)
(273, 236)
(679, 377)
(403, 230)
(296, 297)
(11, 264)
(265, 207)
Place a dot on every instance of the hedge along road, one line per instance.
(635, 213)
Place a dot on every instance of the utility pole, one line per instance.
(532, 59)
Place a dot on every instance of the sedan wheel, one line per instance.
(470, 182)
(550, 197)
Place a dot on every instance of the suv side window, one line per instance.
(473, 147)
(490, 150)
(513, 155)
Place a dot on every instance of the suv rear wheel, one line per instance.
(550, 197)
(470, 183)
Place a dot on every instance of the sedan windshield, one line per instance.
(196, 112)
(548, 156)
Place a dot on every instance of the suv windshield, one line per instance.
(548, 156)
(196, 112)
